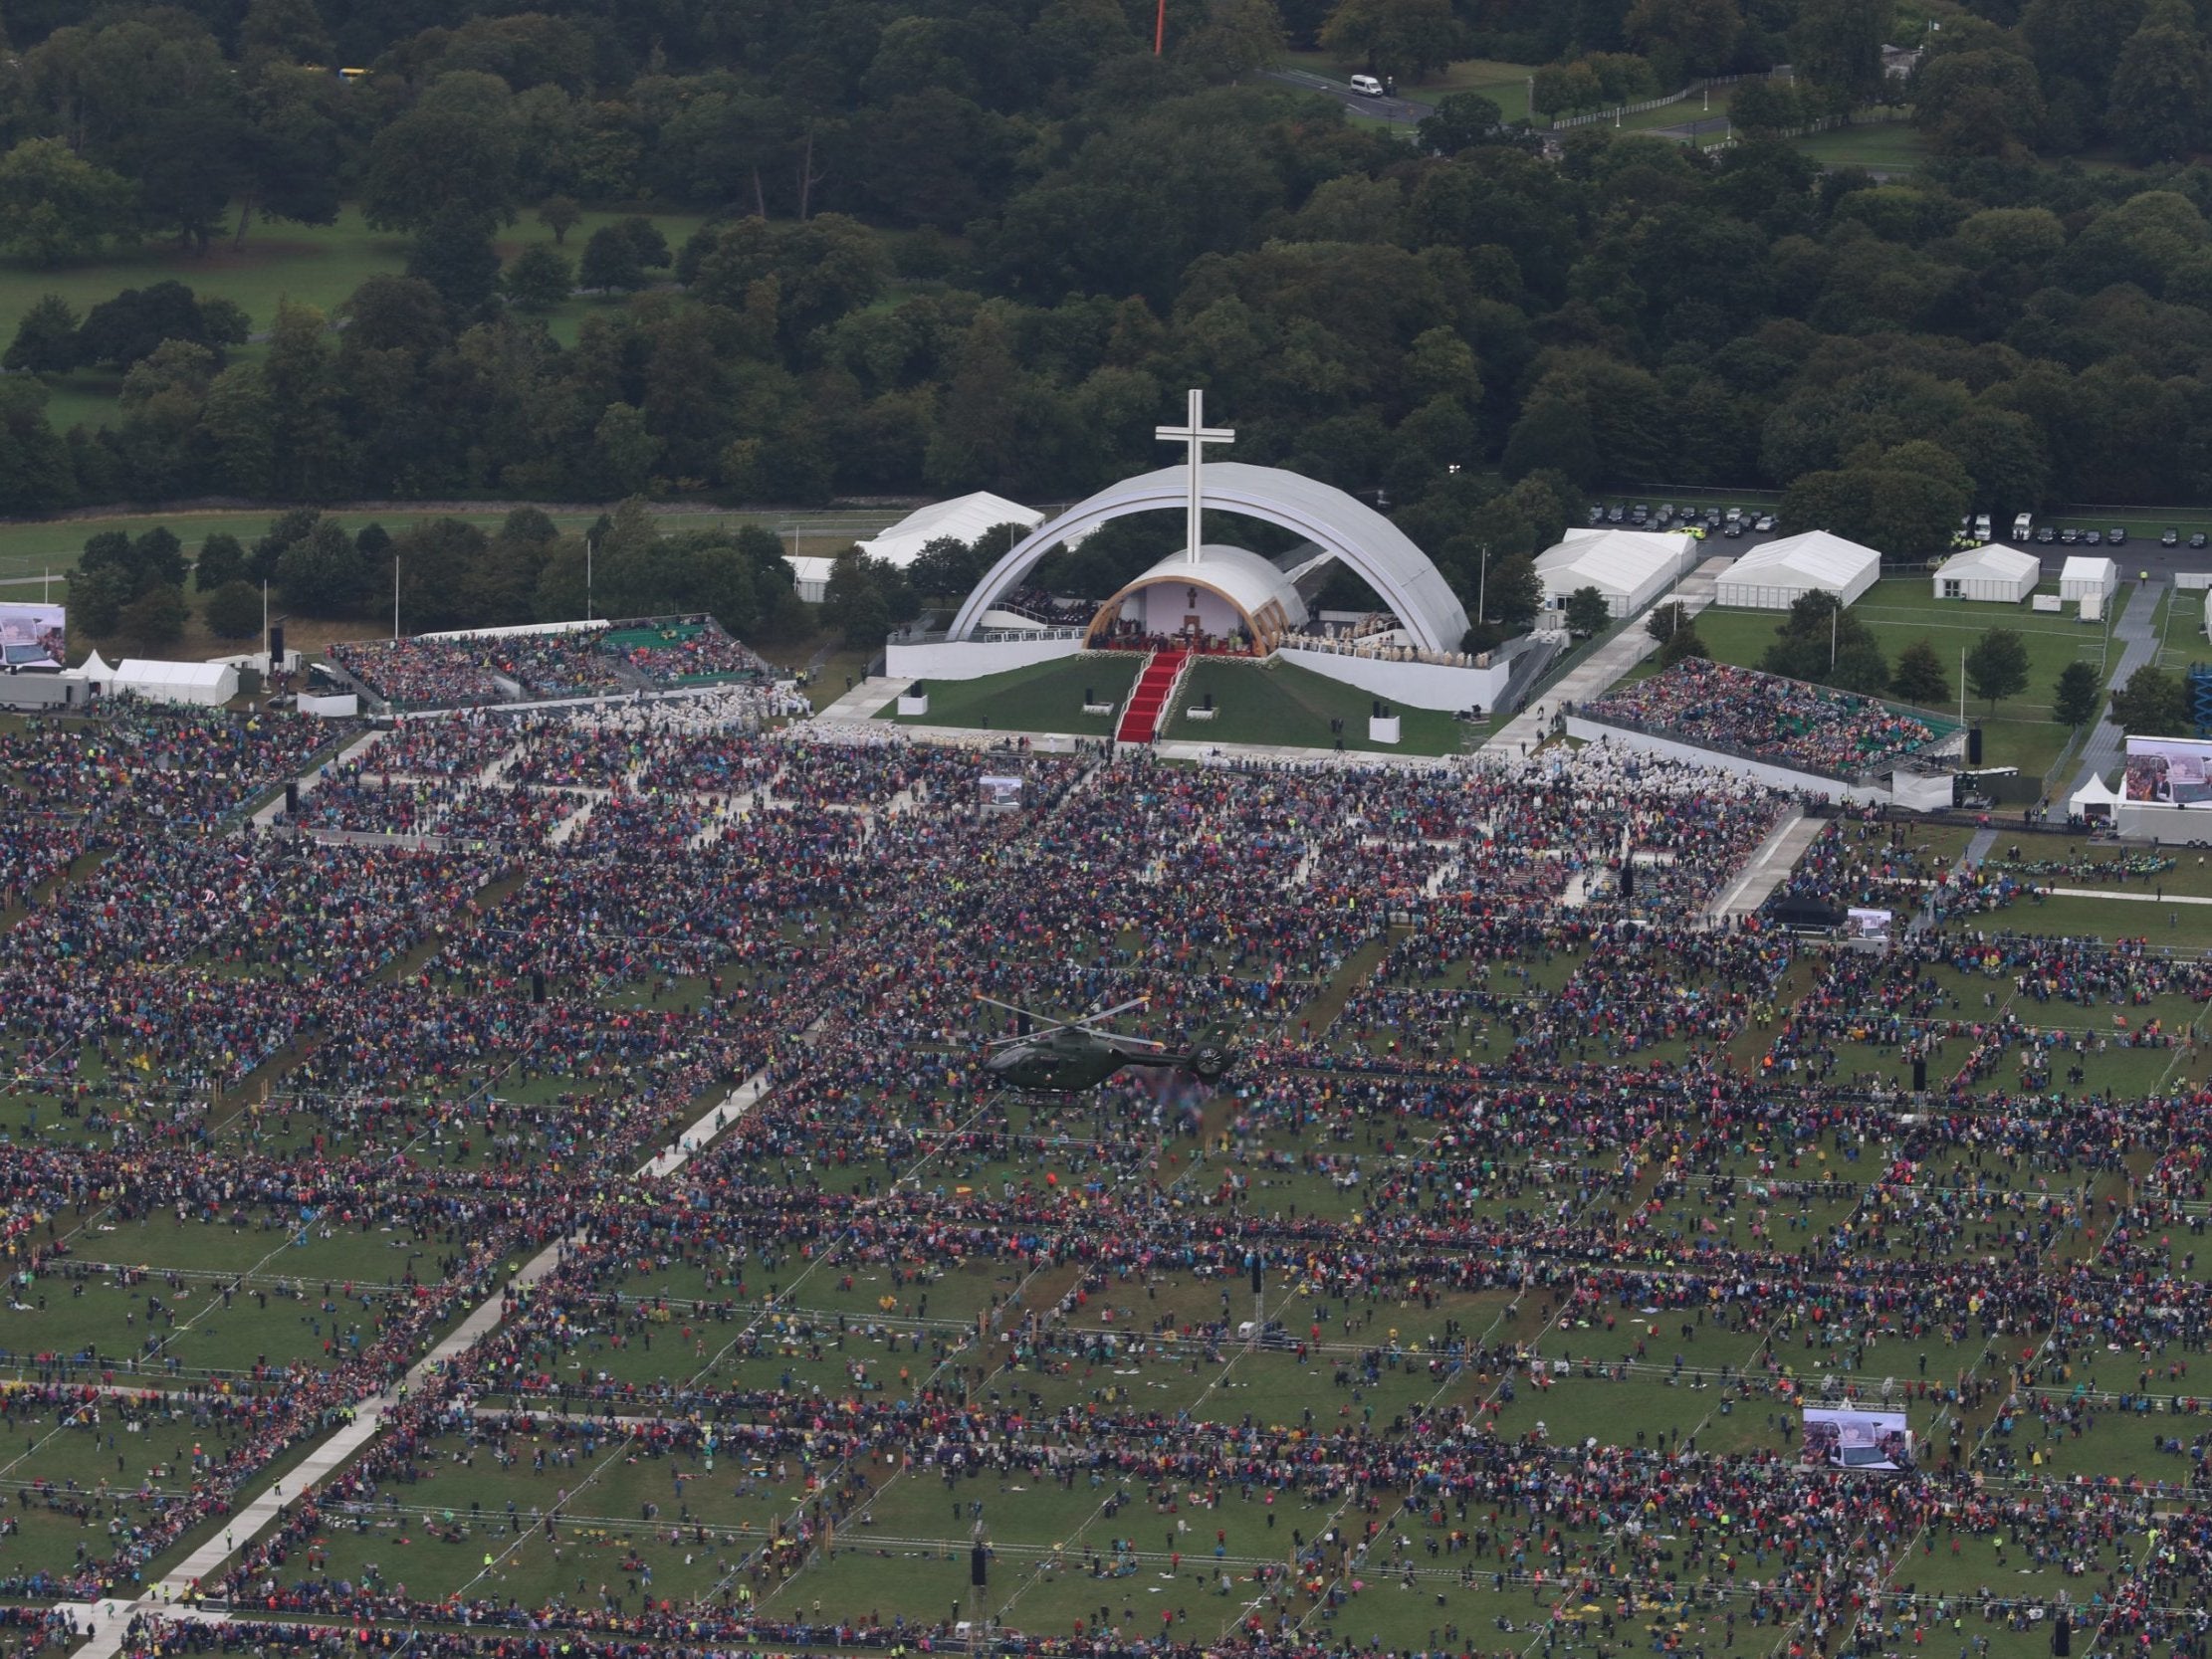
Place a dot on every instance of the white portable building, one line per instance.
(1632, 568)
(1774, 577)
(212, 684)
(2086, 577)
(1995, 572)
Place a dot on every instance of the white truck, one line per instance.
(2023, 527)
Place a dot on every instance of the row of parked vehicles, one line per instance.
(2024, 528)
(1699, 522)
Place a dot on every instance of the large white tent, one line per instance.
(212, 684)
(2084, 576)
(1632, 568)
(963, 519)
(1991, 572)
(1774, 577)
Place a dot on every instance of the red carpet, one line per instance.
(1148, 702)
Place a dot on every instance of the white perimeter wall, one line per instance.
(970, 659)
(1416, 685)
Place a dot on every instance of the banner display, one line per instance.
(1848, 1438)
(32, 635)
(1000, 791)
(2169, 772)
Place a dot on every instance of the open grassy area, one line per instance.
(1046, 697)
(315, 265)
(1275, 703)
(1886, 146)
(2019, 730)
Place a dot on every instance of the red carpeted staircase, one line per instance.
(1148, 704)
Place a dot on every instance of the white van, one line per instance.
(1367, 86)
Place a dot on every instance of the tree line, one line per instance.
(1464, 331)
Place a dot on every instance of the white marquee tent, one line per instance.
(1777, 575)
(963, 519)
(1992, 572)
(812, 573)
(2084, 577)
(212, 684)
(1632, 568)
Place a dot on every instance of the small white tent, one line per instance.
(2088, 577)
(1632, 568)
(91, 668)
(1774, 577)
(812, 575)
(1991, 572)
(2094, 798)
(212, 684)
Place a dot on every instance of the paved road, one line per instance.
(2138, 643)
(1403, 110)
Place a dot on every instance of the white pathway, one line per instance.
(313, 780)
(1767, 868)
(1597, 673)
(108, 1618)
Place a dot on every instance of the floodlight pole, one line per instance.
(1482, 587)
(588, 577)
(1160, 29)
(395, 595)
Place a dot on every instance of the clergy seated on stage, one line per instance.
(1130, 636)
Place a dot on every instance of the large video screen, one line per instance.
(32, 635)
(2169, 772)
(1848, 1438)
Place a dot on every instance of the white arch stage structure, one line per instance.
(1346, 529)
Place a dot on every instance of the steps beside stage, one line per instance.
(1148, 704)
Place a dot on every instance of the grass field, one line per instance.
(317, 265)
(1046, 697)
(1275, 703)
(1891, 146)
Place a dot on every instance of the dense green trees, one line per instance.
(988, 247)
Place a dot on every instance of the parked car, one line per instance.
(2170, 537)
(2117, 537)
(2070, 535)
(1765, 524)
(2196, 538)
(2047, 535)
(2093, 539)
(1734, 526)
(1638, 513)
(1597, 512)
(1613, 515)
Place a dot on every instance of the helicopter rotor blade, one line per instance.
(1045, 1020)
(1118, 1009)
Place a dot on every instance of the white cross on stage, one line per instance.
(1196, 435)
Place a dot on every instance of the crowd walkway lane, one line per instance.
(864, 701)
(2139, 647)
(108, 1618)
(1767, 868)
(312, 781)
(1977, 849)
(1598, 672)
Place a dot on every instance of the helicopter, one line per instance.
(1071, 1056)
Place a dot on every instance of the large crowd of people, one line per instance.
(1765, 716)
(470, 670)
(1512, 1135)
